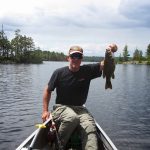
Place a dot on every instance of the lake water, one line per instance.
(123, 112)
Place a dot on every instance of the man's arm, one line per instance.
(46, 100)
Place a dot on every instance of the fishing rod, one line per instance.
(51, 134)
(60, 147)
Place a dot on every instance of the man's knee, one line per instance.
(73, 119)
(90, 128)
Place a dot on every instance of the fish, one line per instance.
(109, 65)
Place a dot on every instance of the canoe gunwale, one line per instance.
(28, 139)
(104, 137)
(107, 143)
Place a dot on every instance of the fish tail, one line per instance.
(108, 84)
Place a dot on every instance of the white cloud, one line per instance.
(138, 12)
(56, 25)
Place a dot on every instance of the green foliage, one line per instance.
(92, 59)
(21, 49)
(17, 50)
(4, 46)
(126, 53)
(137, 55)
(119, 59)
(53, 56)
(148, 63)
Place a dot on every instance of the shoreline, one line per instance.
(135, 63)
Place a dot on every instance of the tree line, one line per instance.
(21, 49)
(137, 55)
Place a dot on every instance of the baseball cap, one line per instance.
(75, 49)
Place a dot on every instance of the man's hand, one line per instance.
(45, 115)
(112, 47)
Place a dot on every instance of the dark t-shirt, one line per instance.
(72, 87)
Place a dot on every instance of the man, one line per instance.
(72, 85)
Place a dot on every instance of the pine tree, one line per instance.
(126, 53)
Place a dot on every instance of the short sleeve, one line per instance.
(53, 81)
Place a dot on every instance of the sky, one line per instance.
(56, 25)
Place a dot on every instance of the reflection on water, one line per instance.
(122, 112)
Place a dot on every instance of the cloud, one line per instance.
(65, 13)
(57, 25)
(86, 16)
(136, 12)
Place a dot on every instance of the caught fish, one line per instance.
(109, 65)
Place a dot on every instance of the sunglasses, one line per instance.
(76, 56)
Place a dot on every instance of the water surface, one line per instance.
(122, 112)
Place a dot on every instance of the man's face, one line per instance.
(75, 61)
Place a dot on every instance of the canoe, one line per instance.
(45, 138)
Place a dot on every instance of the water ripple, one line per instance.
(122, 112)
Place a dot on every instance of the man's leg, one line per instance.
(69, 121)
(88, 130)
